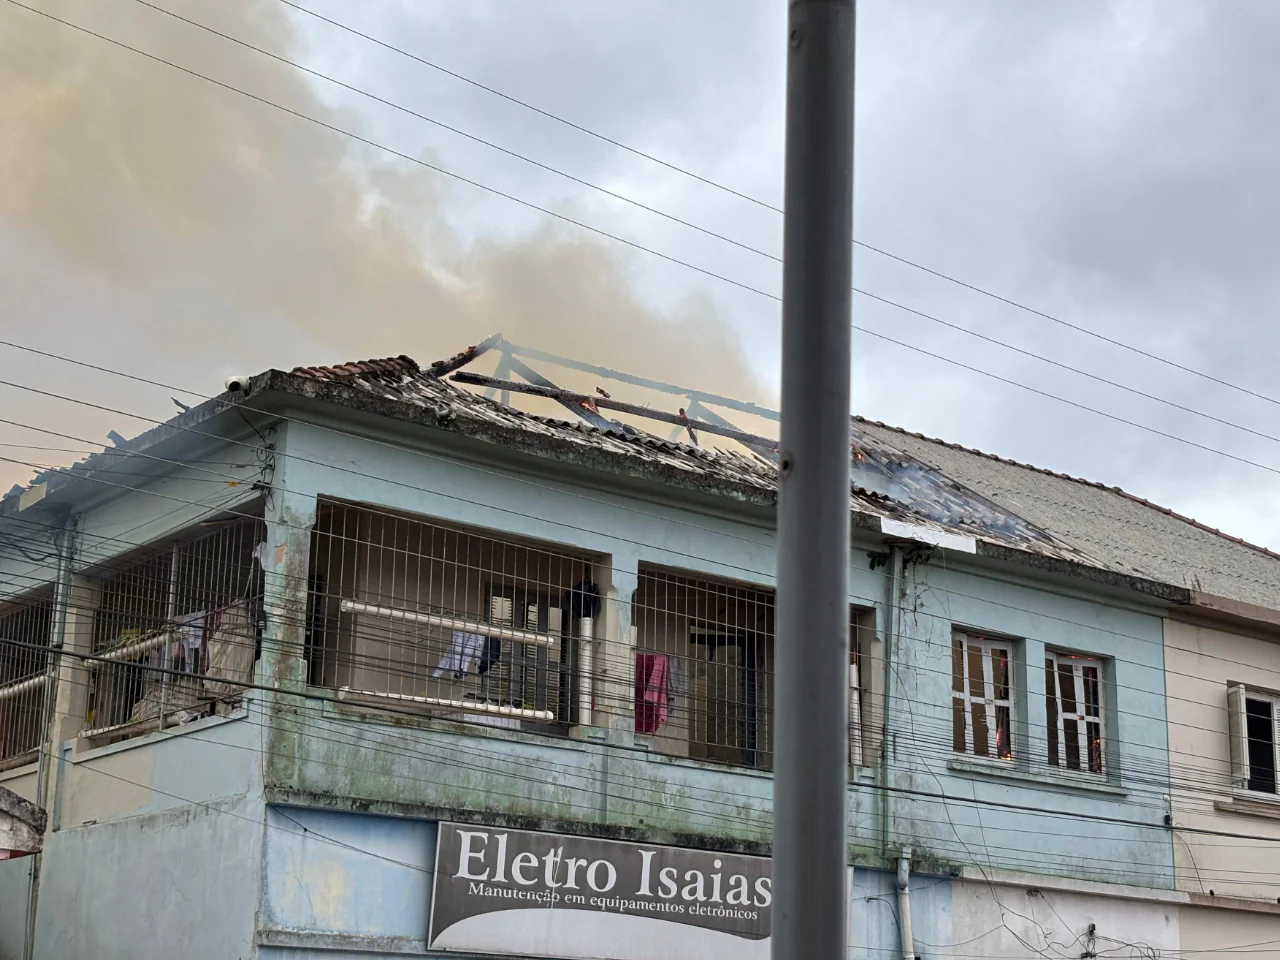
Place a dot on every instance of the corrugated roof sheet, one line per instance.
(888, 482)
(1123, 532)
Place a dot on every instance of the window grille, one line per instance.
(1074, 712)
(982, 696)
(704, 669)
(24, 674)
(194, 607)
(417, 613)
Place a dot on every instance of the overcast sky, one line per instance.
(1110, 164)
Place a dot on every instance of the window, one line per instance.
(24, 672)
(704, 668)
(981, 696)
(1073, 712)
(407, 612)
(1254, 721)
(177, 630)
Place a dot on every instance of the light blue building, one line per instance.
(281, 649)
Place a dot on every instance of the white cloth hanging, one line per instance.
(462, 650)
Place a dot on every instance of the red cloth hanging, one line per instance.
(651, 691)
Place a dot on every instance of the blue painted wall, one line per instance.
(471, 768)
(413, 769)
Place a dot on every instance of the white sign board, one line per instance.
(545, 895)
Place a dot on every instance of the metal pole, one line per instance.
(50, 746)
(812, 699)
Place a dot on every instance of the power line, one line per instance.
(711, 233)
(996, 804)
(307, 832)
(1132, 766)
(398, 153)
(529, 106)
(906, 261)
(721, 563)
(645, 249)
(719, 532)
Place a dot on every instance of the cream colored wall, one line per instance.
(1199, 664)
(1210, 931)
(21, 781)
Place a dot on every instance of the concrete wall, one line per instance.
(181, 883)
(15, 882)
(1202, 662)
(351, 884)
(1043, 825)
(349, 881)
(1211, 931)
(342, 760)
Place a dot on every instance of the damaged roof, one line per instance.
(906, 476)
(1121, 531)
(900, 476)
(888, 482)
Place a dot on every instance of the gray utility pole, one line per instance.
(811, 752)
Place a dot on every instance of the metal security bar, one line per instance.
(704, 670)
(24, 675)
(407, 611)
(193, 606)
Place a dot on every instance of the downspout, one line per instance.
(57, 634)
(904, 904)
(586, 664)
(892, 627)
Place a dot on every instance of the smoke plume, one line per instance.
(143, 178)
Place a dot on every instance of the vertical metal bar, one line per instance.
(810, 788)
(163, 651)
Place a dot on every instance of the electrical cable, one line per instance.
(995, 804)
(1161, 770)
(776, 209)
(438, 493)
(649, 250)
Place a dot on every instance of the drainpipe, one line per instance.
(586, 626)
(893, 607)
(904, 904)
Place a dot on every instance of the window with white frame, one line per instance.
(1254, 721)
(1073, 694)
(982, 696)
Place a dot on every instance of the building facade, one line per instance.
(356, 662)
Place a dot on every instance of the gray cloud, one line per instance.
(1110, 163)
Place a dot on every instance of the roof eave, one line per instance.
(448, 420)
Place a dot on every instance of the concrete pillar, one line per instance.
(72, 687)
(1029, 677)
(615, 659)
(289, 519)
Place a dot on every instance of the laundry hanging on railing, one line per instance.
(232, 649)
(463, 648)
(652, 676)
